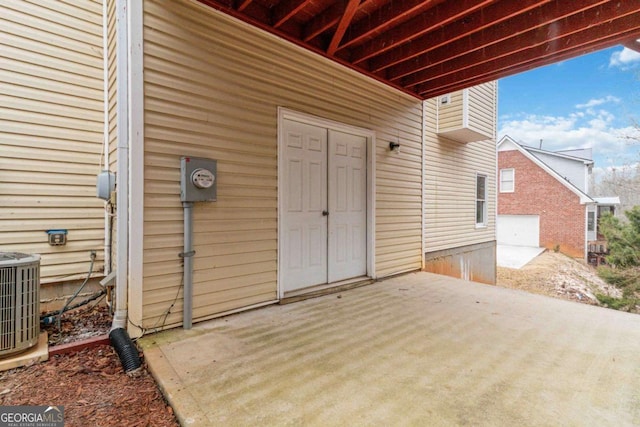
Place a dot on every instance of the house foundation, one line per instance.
(472, 262)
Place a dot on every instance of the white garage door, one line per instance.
(518, 230)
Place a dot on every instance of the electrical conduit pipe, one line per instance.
(187, 257)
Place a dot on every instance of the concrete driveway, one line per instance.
(419, 349)
(516, 256)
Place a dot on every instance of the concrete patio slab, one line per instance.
(516, 256)
(419, 349)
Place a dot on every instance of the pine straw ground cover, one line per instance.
(90, 384)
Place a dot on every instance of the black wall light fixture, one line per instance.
(394, 147)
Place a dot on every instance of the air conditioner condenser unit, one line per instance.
(19, 302)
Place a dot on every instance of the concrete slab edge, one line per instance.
(177, 395)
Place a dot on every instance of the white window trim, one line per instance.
(513, 175)
(485, 210)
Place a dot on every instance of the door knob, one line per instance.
(325, 213)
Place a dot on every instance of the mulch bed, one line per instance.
(79, 324)
(90, 384)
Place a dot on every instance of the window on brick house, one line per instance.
(507, 180)
(481, 200)
(591, 221)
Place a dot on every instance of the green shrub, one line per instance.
(623, 278)
(623, 239)
(624, 303)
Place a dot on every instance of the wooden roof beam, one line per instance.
(587, 41)
(490, 16)
(633, 44)
(529, 23)
(327, 19)
(556, 30)
(287, 10)
(388, 16)
(442, 14)
(242, 5)
(345, 21)
(498, 74)
(219, 4)
(323, 22)
(253, 12)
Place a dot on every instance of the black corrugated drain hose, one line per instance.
(126, 349)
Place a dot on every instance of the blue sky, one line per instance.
(589, 101)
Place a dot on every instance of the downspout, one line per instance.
(122, 169)
(105, 77)
(126, 349)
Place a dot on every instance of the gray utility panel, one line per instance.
(198, 179)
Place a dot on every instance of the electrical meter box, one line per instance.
(105, 184)
(198, 179)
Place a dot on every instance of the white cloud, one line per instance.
(599, 101)
(592, 129)
(625, 58)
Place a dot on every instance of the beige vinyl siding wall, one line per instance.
(51, 128)
(451, 116)
(450, 186)
(482, 109)
(212, 89)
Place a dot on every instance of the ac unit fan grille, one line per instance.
(7, 308)
(19, 307)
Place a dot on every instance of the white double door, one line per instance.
(324, 208)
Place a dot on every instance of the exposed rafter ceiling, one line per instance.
(431, 47)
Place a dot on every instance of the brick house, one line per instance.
(543, 198)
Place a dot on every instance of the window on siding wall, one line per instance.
(481, 200)
(506, 180)
(591, 221)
